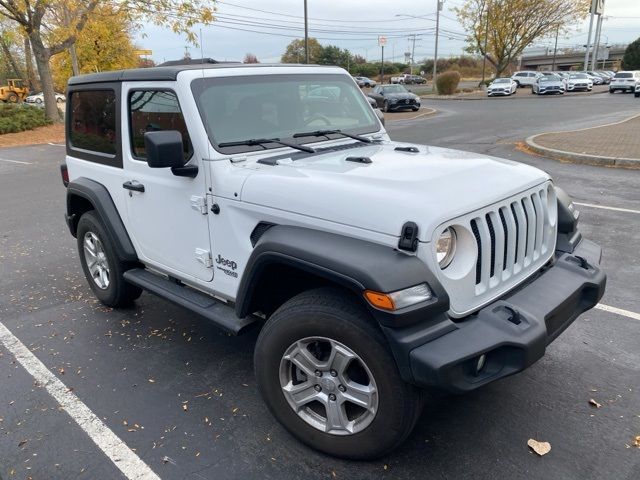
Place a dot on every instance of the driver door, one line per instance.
(167, 214)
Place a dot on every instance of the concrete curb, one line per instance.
(583, 158)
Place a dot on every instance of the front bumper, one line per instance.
(512, 332)
(401, 105)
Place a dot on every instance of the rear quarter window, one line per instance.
(92, 125)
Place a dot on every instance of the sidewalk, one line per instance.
(616, 144)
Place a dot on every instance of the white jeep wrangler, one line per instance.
(271, 196)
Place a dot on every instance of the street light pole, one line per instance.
(306, 34)
(435, 55)
(555, 50)
(594, 56)
(593, 14)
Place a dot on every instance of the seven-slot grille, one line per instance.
(510, 238)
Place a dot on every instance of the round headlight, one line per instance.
(446, 247)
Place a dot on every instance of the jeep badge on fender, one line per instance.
(372, 268)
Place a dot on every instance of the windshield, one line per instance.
(394, 89)
(502, 80)
(623, 75)
(234, 109)
(578, 76)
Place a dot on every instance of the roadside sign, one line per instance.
(144, 52)
(382, 41)
(597, 7)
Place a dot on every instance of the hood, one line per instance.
(558, 83)
(429, 187)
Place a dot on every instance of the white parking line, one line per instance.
(618, 311)
(615, 209)
(15, 161)
(118, 452)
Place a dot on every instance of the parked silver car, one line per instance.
(579, 81)
(502, 86)
(39, 98)
(545, 84)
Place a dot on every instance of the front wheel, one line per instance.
(326, 372)
(102, 267)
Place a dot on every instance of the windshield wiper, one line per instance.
(261, 142)
(325, 133)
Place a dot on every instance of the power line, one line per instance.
(333, 20)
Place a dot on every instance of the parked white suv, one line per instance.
(625, 81)
(271, 196)
(525, 78)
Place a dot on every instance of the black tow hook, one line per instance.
(514, 315)
(583, 262)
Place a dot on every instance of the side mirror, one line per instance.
(164, 149)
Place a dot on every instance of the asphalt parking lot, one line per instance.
(180, 394)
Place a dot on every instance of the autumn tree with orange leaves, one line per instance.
(507, 27)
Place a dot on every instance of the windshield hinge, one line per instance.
(204, 257)
(199, 204)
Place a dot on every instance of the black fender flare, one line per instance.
(99, 197)
(355, 264)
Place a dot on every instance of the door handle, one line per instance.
(136, 187)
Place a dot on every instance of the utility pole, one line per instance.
(555, 50)
(486, 39)
(593, 14)
(594, 57)
(382, 66)
(435, 55)
(413, 54)
(306, 34)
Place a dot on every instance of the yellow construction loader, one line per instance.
(14, 91)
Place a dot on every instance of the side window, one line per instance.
(93, 121)
(152, 111)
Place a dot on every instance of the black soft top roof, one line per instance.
(163, 73)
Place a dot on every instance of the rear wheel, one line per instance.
(12, 98)
(326, 373)
(102, 267)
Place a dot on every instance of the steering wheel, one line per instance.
(317, 116)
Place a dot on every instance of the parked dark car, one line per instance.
(395, 97)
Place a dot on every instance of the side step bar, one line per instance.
(217, 312)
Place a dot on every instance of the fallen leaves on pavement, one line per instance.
(595, 404)
(541, 448)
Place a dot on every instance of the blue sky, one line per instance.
(353, 24)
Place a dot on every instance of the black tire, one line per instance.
(612, 91)
(38, 100)
(636, 94)
(415, 109)
(118, 293)
(336, 315)
(58, 100)
(13, 98)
